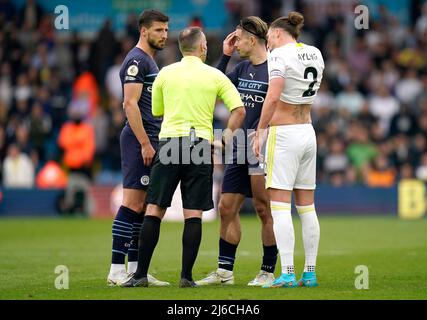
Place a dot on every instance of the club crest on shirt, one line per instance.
(145, 180)
(132, 70)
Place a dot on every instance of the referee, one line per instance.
(184, 93)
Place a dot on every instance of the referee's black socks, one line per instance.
(148, 238)
(191, 238)
(269, 258)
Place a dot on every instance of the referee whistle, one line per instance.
(192, 137)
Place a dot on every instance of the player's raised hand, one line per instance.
(228, 44)
(148, 153)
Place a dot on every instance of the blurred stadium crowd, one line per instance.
(60, 98)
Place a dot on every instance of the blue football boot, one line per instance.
(284, 281)
(308, 279)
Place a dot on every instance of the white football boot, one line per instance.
(116, 278)
(218, 277)
(156, 282)
(262, 278)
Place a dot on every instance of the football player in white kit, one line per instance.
(295, 72)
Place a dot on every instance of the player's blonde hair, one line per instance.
(254, 25)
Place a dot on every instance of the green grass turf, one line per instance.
(395, 252)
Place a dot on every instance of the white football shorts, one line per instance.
(291, 157)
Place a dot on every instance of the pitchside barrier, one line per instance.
(406, 200)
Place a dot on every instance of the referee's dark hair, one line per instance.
(147, 17)
(189, 39)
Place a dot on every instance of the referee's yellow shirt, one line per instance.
(185, 92)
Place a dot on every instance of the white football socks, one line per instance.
(310, 235)
(132, 266)
(117, 268)
(284, 234)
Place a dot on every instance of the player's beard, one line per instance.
(243, 55)
(155, 45)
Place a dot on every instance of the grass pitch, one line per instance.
(394, 251)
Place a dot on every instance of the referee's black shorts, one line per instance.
(195, 176)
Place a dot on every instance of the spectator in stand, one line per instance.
(39, 124)
(377, 134)
(420, 105)
(360, 59)
(401, 150)
(379, 174)
(18, 170)
(105, 48)
(30, 15)
(21, 110)
(365, 117)
(412, 56)
(43, 60)
(100, 123)
(351, 176)
(408, 87)
(403, 122)
(77, 139)
(112, 79)
(196, 21)
(337, 179)
(417, 149)
(131, 28)
(322, 152)
(421, 171)
(51, 176)
(22, 138)
(324, 98)
(118, 120)
(57, 96)
(384, 106)
(6, 89)
(421, 23)
(390, 72)
(350, 99)
(3, 149)
(23, 91)
(361, 151)
(336, 160)
(406, 171)
(3, 114)
(85, 90)
(422, 123)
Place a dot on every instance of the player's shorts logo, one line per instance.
(145, 180)
(132, 70)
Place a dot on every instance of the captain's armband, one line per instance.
(276, 73)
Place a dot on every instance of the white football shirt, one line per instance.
(302, 68)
